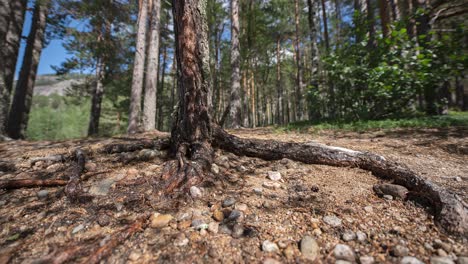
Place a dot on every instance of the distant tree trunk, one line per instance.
(139, 70)
(371, 25)
(235, 104)
(325, 26)
(385, 17)
(460, 97)
(161, 91)
(22, 100)
(11, 28)
(299, 73)
(279, 88)
(103, 30)
(396, 11)
(152, 67)
(338, 22)
(314, 69)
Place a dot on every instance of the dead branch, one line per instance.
(451, 213)
(52, 159)
(159, 144)
(73, 187)
(116, 239)
(26, 183)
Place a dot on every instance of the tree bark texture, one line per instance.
(299, 73)
(11, 28)
(235, 108)
(384, 11)
(134, 117)
(152, 67)
(22, 100)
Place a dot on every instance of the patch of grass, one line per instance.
(452, 119)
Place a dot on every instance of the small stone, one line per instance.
(258, 190)
(241, 207)
(237, 231)
(160, 220)
(366, 260)
(428, 246)
(241, 168)
(132, 172)
(234, 215)
(203, 232)
(441, 260)
(181, 240)
(78, 228)
(458, 179)
(214, 168)
(344, 252)
(274, 175)
(397, 191)
(348, 235)
(317, 232)
(195, 192)
(361, 236)
(441, 252)
(103, 220)
(339, 261)
(289, 252)
(269, 246)
(400, 251)
(271, 185)
(309, 248)
(388, 197)
(229, 202)
(42, 194)
(369, 209)
(199, 224)
(213, 227)
(224, 229)
(271, 261)
(410, 260)
(332, 220)
(218, 215)
(90, 166)
(134, 256)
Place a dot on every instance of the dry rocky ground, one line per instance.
(255, 211)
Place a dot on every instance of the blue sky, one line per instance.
(53, 54)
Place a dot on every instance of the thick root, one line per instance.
(450, 211)
(73, 188)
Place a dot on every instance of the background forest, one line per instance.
(301, 62)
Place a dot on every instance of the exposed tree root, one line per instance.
(159, 144)
(116, 239)
(73, 188)
(26, 183)
(52, 159)
(450, 211)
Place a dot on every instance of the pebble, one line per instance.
(441, 252)
(214, 168)
(199, 224)
(134, 256)
(344, 252)
(410, 260)
(441, 260)
(224, 229)
(369, 209)
(160, 220)
(103, 220)
(241, 168)
(42, 194)
(90, 166)
(234, 215)
(397, 191)
(332, 220)
(229, 202)
(388, 197)
(339, 261)
(237, 231)
(78, 228)
(317, 232)
(309, 248)
(458, 179)
(258, 190)
(181, 240)
(213, 227)
(271, 261)
(366, 259)
(348, 235)
(274, 175)
(269, 246)
(195, 192)
(218, 215)
(361, 236)
(271, 185)
(400, 251)
(241, 207)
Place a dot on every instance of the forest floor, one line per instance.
(244, 217)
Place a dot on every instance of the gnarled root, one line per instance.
(450, 211)
(73, 187)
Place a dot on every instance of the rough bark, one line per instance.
(279, 87)
(11, 27)
(325, 26)
(384, 11)
(134, 117)
(96, 101)
(299, 71)
(22, 100)
(152, 67)
(450, 211)
(235, 101)
(191, 131)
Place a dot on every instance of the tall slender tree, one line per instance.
(299, 73)
(235, 101)
(152, 67)
(22, 100)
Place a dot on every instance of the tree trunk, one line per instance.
(161, 91)
(384, 10)
(192, 132)
(299, 73)
(325, 26)
(11, 28)
(371, 25)
(152, 65)
(22, 100)
(279, 87)
(338, 23)
(139, 70)
(235, 104)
